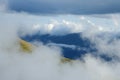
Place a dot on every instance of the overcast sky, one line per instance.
(63, 6)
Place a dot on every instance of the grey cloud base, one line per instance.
(65, 6)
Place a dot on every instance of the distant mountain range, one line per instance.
(73, 45)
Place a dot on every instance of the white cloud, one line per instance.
(44, 62)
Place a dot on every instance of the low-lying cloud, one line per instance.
(44, 62)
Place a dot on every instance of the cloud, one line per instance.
(44, 62)
(3, 5)
(64, 7)
(54, 27)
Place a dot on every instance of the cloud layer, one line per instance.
(44, 62)
(64, 6)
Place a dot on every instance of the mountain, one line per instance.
(73, 45)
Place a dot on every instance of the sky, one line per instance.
(93, 18)
(63, 6)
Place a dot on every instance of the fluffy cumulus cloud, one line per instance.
(44, 63)
(64, 6)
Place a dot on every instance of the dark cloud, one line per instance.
(65, 6)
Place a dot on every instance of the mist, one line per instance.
(44, 62)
